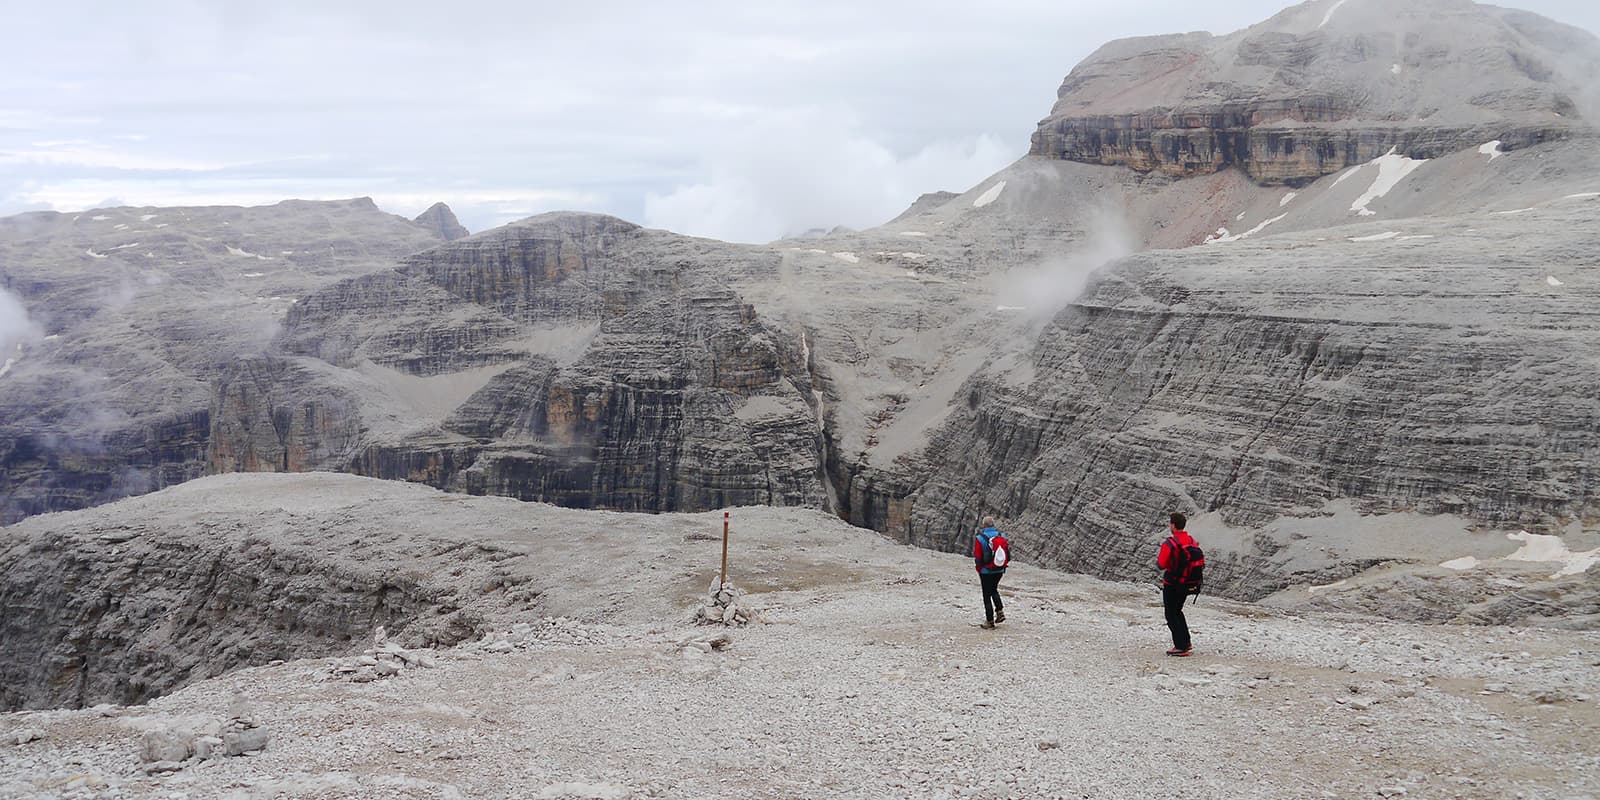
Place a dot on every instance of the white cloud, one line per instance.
(786, 173)
(15, 325)
(597, 106)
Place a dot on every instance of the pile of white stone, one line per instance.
(547, 632)
(383, 660)
(175, 746)
(723, 606)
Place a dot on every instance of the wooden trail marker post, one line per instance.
(722, 580)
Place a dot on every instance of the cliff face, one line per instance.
(1438, 370)
(594, 365)
(137, 311)
(1324, 86)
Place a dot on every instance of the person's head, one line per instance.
(988, 522)
(1178, 521)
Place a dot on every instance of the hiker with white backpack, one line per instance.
(990, 554)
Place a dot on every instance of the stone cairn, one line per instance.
(172, 748)
(384, 659)
(723, 606)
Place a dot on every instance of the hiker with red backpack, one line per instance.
(990, 554)
(1182, 566)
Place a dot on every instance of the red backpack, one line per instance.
(1187, 567)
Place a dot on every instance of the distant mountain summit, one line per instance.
(1323, 86)
(440, 220)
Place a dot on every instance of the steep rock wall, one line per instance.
(1253, 386)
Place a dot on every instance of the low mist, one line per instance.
(1040, 290)
(15, 326)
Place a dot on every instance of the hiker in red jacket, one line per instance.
(990, 554)
(1180, 561)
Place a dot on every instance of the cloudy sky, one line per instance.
(740, 120)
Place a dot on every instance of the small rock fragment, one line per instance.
(164, 745)
(237, 743)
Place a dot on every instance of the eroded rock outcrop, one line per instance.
(440, 221)
(123, 603)
(607, 367)
(1324, 86)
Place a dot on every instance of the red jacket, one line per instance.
(1164, 555)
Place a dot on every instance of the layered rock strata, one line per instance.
(601, 371)
(1438, 372)
(1322, 87)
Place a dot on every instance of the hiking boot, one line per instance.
(999, 617)
(988, 626)
(1188, 651)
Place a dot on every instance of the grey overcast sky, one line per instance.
(741, 120)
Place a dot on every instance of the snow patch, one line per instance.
(1287, 198)
(914, 256)
(238, 252)
(849, 258)
(254, 274)
(1347, 173)
(1554, 281)
(93, 254)
(1395, 69)
(1550, 548)
(1011, 308)
(6, 367)
(990, 196)
(1326, 586)
(1329, 15)
(1462, 563)
(1392, 169)
(147, 217)
(1416, 236)
(1222, 234)
(1492, 150)
(99, 218)
(1514, 211)
(1240, 217)
(1582, 195)
(912, 233)
(1376, 237)
(125, 246)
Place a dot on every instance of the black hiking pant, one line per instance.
(991, 594)
(1173, 598)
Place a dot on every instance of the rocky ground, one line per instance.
(861, 674)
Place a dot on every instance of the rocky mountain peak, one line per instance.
(441, 221)
(1325, 85)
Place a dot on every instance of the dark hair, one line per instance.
(1178, 520)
